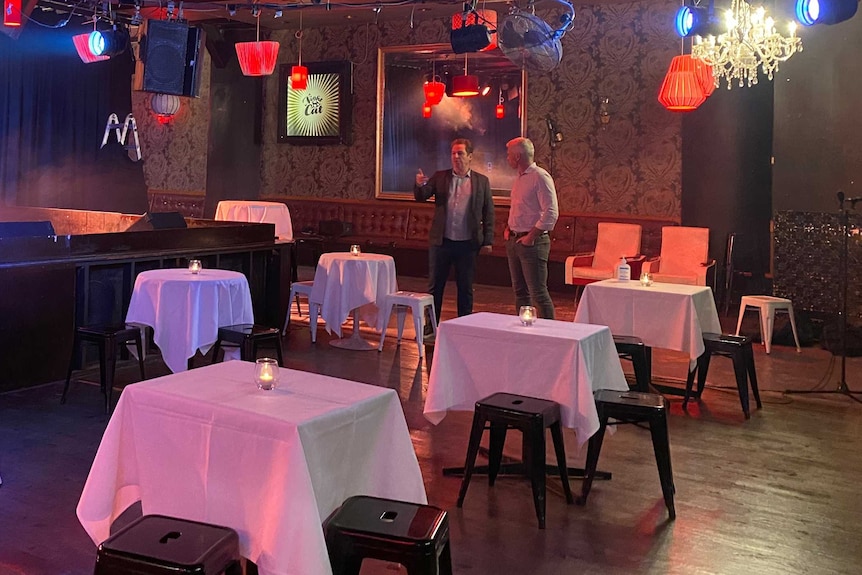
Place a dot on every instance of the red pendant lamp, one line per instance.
(434, 91)
(467, 85)
(299, 73)
(500, 110)
(257, 58)
(12, 13)
(488, 18)
(426, 110)
(681, 90)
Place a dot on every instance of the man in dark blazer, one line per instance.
(463, 224)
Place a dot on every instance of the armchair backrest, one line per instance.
(614, 241)
(684, 250)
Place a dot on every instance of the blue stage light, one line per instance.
(810, 12)
(108, 42)
(692, 21)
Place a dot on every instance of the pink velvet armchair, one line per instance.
(613, 242)
(684, 256)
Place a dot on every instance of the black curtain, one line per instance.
(53, 112)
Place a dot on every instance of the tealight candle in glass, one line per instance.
(646, 279)
(266, 373)
(195, 266)
(527, 314)
(354, 250)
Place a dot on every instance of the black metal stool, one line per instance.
(739, 349)
(416, 536)
(633, 407)
(531, 416)
(633, 349)
(108, 338)
(160, 545)
(248, 336)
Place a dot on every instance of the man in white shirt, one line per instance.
(463, 224)
(532, 216)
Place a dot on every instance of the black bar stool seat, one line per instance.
(531, 416)
(414, 535)
(109, 338)
(633, 349)
(248, 337)
(633, 407)
(160, 545)
(739, 349)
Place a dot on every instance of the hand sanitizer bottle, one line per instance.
(624, 270)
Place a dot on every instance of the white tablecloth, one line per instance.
(257, 212)
(670, 316)
(185, 310)
(207, 445)
(484, 353)
(344, 282)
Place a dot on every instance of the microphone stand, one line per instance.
(845, 231)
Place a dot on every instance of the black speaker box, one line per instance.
(171, 54)
(26, 230)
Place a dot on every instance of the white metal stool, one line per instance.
(303, 289)
(766, 306)
(400, 302)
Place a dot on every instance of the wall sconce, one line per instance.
(604, 110)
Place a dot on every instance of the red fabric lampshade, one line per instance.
(500, 111)
(486, 17)
(12, 13)
(299, 77)
(704, 77)
(426, 110)
(681, 90)
(434, 92)
(257, 58)
(82, 46)
(465, 86)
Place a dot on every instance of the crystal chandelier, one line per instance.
(750, 41)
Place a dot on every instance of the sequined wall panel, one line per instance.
(630, 165)
(808, 254)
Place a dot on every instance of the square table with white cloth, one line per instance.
(345, 283)
(484, 353)
(670, 316)
(257, 212)
(208, 445)
(185, 310)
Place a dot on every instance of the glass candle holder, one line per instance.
(195, 266)
(646, 279)
(266, 373)
(527, 313)
(355, 250)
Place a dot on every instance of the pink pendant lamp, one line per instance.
(257, 58)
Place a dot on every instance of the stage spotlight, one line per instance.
(810, 12)
(469, 38)
(693, 21)
(108, 42)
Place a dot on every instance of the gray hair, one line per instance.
(525, 145)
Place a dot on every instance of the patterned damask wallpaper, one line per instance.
(175, 154)
(631, 165)
(621, 52)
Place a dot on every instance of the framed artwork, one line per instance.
(321, 113)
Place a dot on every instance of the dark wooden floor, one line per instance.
(773, 495)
